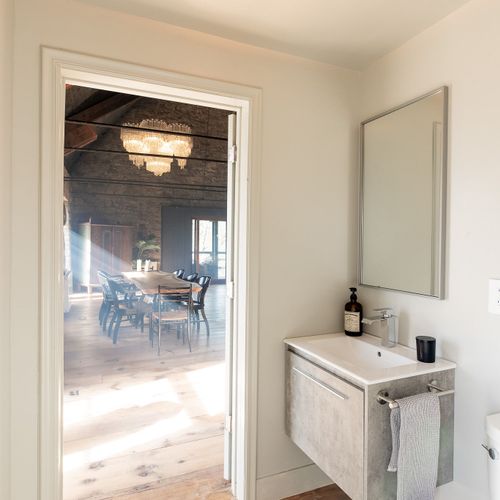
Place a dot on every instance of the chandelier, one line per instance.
(157, 143)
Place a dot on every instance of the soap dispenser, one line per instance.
(353, 315)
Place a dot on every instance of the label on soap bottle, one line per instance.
(352, 322)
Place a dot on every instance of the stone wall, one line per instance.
(108, 189)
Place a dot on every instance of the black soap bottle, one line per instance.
(353, 315)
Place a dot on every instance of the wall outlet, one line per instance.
(494, 296)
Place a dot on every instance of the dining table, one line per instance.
(149, 281)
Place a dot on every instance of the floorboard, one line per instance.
(332, 492)
(138, 425)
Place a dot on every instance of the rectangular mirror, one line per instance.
(402, 198)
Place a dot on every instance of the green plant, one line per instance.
(146, 245)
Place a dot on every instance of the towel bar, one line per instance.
(383, 396)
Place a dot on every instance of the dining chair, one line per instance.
(173, 308)
(125, 305)
(199, 303)
(179, 273)
(192, 277)
(107, 299)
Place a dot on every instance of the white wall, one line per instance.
(461, 51)
(308, 176)
(6, 47)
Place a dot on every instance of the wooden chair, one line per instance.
(172, 308)
(199, 303)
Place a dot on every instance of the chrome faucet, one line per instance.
(388, 322)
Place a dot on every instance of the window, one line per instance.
(209, 248)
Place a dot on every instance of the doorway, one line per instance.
(60, 69)
(144, 374)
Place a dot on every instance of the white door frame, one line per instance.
(58, 68)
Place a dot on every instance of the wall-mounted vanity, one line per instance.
(335, 416)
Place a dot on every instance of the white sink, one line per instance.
(362, 359)
(352, 351)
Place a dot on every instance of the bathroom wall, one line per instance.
(461, 51)
(6, 47)
(309, 149)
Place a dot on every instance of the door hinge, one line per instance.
(232, 154)
(229, 423)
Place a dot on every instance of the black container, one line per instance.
(426, 349)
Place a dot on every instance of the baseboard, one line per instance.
(291, 482)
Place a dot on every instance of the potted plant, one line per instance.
(146, 248)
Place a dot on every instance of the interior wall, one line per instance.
(309, 149)
(6, 47)
(459, 51)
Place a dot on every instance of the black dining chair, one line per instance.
(172, 308)
(199, 303)
(125, 305)
(192, 277)
(107, 299)
(179, 273)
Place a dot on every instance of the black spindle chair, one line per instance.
(179, 273)
(107, 299)
(199, 302)
(125, 305)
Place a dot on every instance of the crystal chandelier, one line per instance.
(156, 143)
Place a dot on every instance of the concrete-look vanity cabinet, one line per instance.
(325, 419)
(337, 421)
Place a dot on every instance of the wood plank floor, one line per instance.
(137, 425)
(332, 492)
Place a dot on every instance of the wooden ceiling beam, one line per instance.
(104, 107)
(78, 136)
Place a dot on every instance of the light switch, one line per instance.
(494, 296)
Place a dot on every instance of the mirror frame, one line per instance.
(439, 230)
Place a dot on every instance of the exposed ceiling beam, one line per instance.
(77, 136)
(104, 107)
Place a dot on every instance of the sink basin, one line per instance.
(359, 353)
(362, 360)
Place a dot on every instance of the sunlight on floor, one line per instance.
(135, 420)
(161, 429)
(106, 401)
(208, 384)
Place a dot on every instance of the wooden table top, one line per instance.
(148, 282)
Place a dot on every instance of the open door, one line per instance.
(229, 452)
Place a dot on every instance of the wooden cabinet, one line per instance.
(101, 247)
(325, 419)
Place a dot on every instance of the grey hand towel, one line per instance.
(415, 446)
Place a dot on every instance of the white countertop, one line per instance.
(338, 353)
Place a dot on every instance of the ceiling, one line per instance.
(348, 33)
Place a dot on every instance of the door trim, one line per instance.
(59, 68)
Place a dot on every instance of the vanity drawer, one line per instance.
(325, 419)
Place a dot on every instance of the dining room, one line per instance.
(145, 244)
